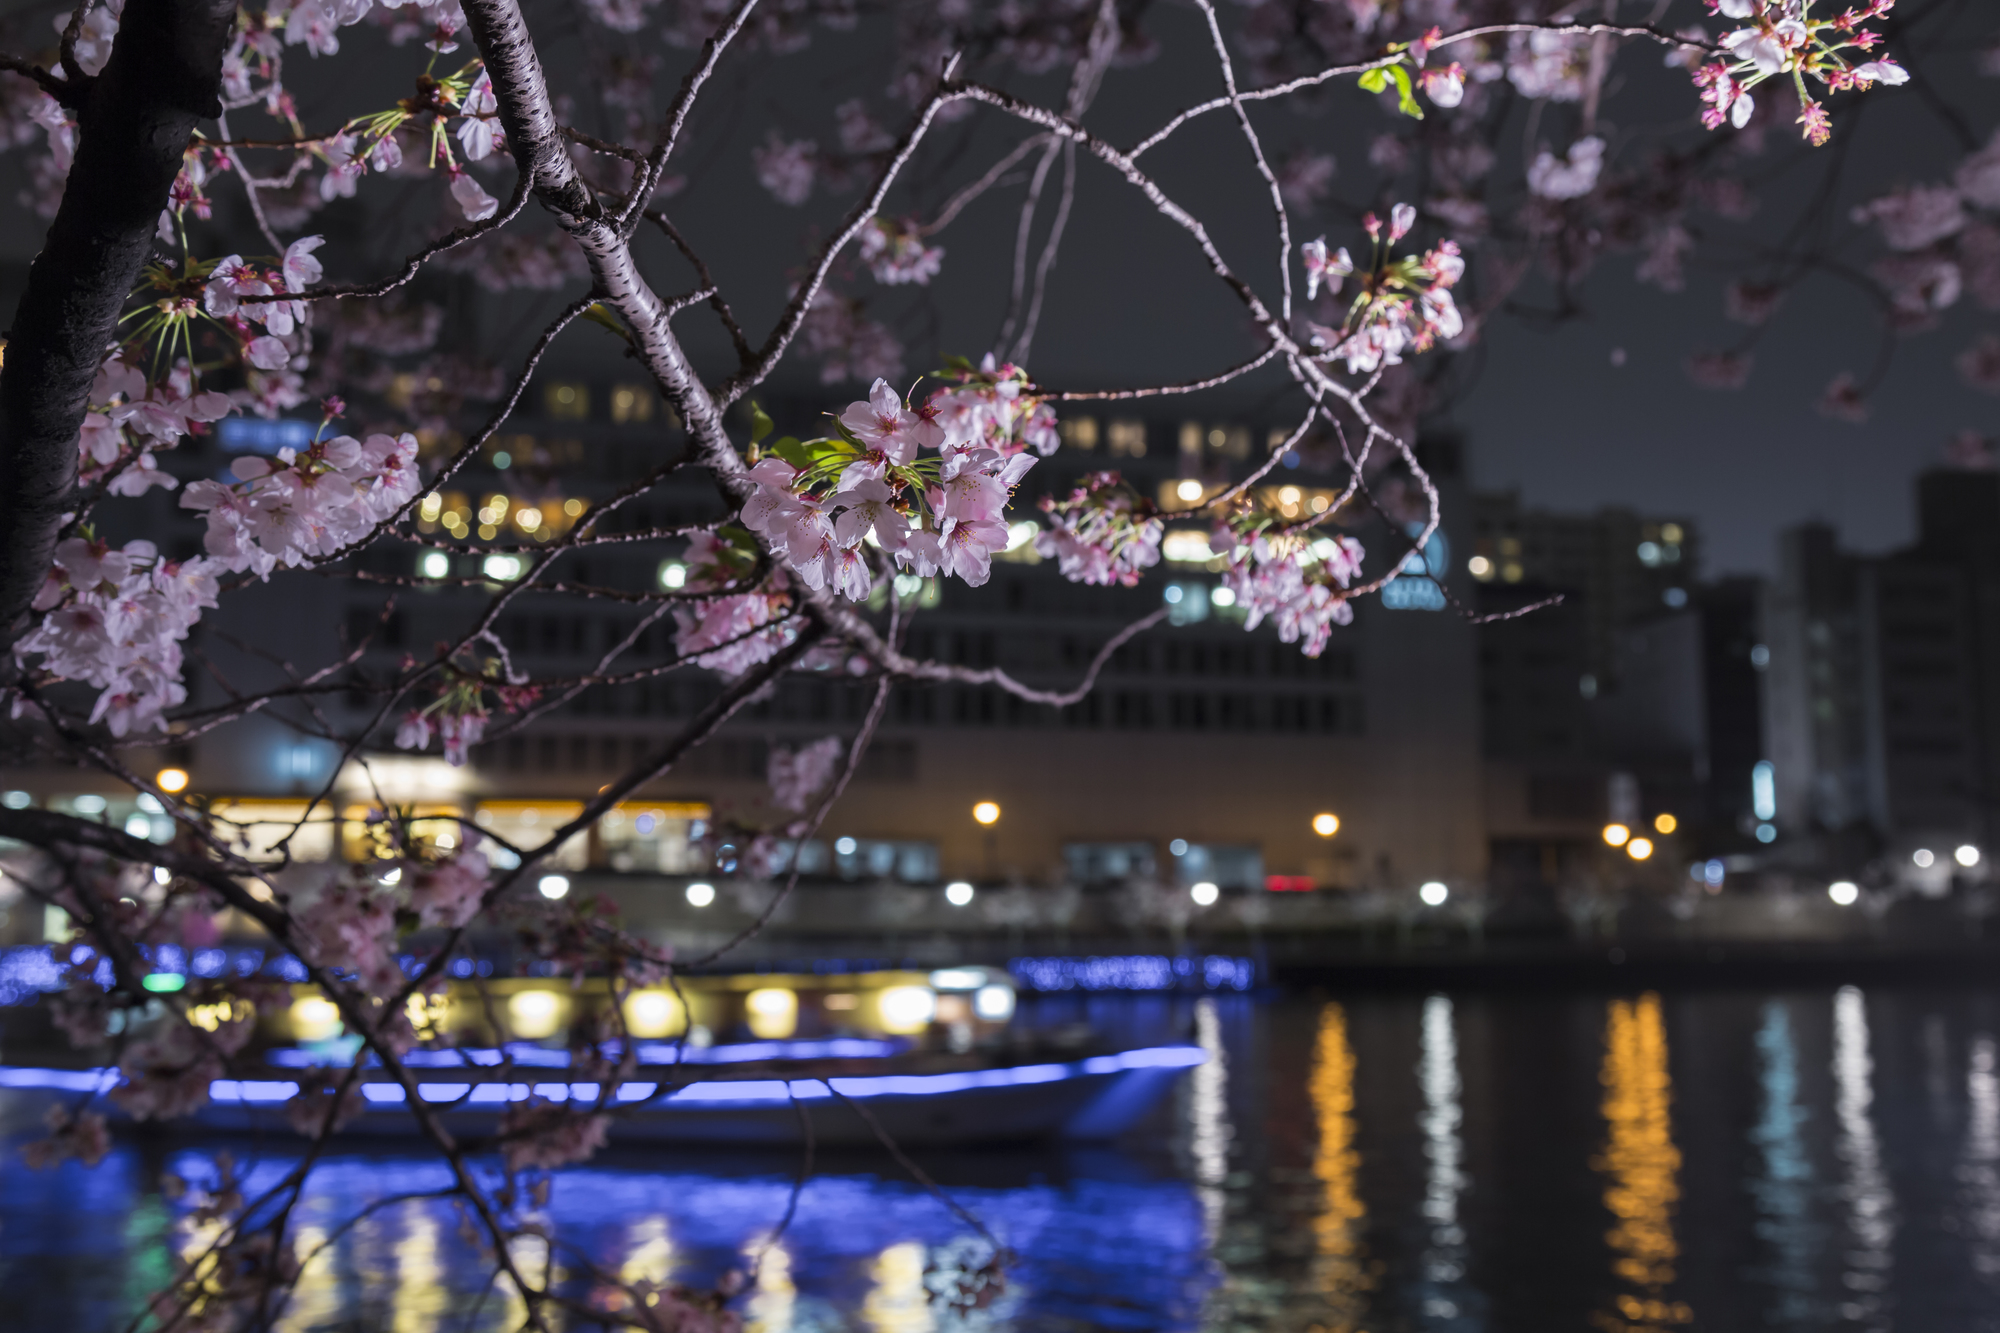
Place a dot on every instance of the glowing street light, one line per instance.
(171, 779)
(958, 893)
(1434, 894)
(553, 886)
(1967, 856)
(1664, 823)
(1843, 892)
(1616, 835)
(987, 812)
(1639, 848)
(1204, 894)
(1326, 824)
(700, 895)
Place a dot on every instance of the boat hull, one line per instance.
(1090, 1100)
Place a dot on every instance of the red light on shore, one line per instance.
(1289, 883)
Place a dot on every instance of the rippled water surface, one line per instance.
(1693, 1160)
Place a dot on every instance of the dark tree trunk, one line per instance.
(134, 123)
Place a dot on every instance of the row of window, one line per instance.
(744, 758)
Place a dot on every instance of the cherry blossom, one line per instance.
(1296, 582)
(1104, 532)
(1571, 176)
(1403, 305)
(308, 505)
(896, 254)
(1719, 370)
(1322, 268)
(537, 1135)
(796, 776)
(472, 199)
(1913, 218)
(1784, 41)
(116, 620)
(1979, 364)
(787, 168)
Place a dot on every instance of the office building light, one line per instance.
(1079, 432)
(631, 404)
(1187, 546)
(565, 400)
(1127, 439)
(1764, 790)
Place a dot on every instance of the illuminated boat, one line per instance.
(922, 1058)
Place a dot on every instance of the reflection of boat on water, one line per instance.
(928, 1058)
(915, 1097)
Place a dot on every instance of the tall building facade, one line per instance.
(1883, 691)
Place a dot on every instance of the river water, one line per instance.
(1809, 1159)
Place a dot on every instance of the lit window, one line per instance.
(566, 401)
(773, 1012)
(1187, 546)
(1127, 439)
(1079, 432)
(631, 404)
(534, 1014)
(1649, 553)
(654, 836)
(529, 823)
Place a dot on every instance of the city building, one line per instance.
(1205, 753)
(1882, 696)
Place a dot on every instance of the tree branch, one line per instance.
(133, 125)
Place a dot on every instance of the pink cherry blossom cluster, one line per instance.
(116, 620)
(305, 505)
(354, 920)
(129, 418)
(1402, 305)
(819, 501)
(1944, 243)
(1298, 582)
(734, 631)
(796, 776)
(458, 730)
(895, 252)
(1781, 39)
(1104, 533)
(230, 279)
(537, 1135)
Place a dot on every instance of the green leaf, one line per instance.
(793, 452)
(760, 422)
(1406, 100)
(1374, 80)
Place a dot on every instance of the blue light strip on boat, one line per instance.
(740, 1092)
(649, 1052)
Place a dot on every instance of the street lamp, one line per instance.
(171, 779)
(1326, 824)
(1665, 823)
(987, 813)
(1639, 848)
(1616, 835)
